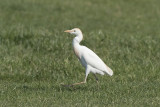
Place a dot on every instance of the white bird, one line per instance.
(87, 57)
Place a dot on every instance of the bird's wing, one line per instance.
(93, 60)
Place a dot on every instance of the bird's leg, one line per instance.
(76, 83)
(96, 77)
(85, 80)
(87, 72)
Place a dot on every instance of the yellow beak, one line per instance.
(68, 31)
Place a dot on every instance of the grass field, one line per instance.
(36, 56)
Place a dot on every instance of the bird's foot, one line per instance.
(79, 83)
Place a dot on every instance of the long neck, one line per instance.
(77, 39)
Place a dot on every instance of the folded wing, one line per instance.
(93, 60)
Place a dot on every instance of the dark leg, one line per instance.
(96, 77)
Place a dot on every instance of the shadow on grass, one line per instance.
(83, 87)
(29, 83)
(32, 88)
(57, 88)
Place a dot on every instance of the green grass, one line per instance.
(36, 56)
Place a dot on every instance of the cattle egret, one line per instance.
(89, 60)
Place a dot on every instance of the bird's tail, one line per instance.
(109, 71)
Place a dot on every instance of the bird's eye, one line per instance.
(74, 30)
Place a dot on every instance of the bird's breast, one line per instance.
(76, 52)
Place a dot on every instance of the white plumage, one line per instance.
(87, 57)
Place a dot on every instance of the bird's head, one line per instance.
(75, 31)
